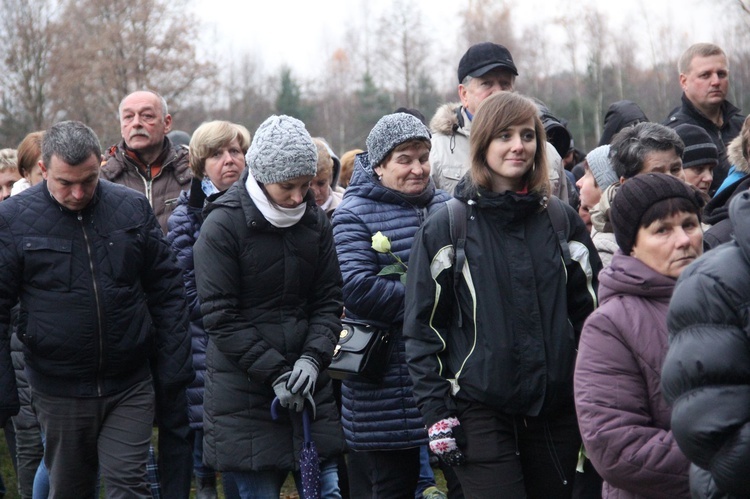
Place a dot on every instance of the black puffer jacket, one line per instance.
(100, 293)
(706, 374)
(510, 341)
(268, 296)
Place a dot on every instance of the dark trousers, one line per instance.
(175, 453)
(391, 474)
(29, 453)
(519, 457)
(85, 435)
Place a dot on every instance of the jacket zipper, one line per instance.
(147, 187)
(98, 308)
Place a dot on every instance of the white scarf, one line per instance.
(276, 215)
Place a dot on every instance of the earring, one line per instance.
(533, 167)
(380, 178)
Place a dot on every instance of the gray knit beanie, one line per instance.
(390, 131)
(601, 168)
(281, 150)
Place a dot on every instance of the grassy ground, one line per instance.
(288, 491)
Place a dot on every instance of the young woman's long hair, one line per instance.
(495, 114)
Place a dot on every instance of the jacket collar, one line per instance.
(365, 184)
(727, 110)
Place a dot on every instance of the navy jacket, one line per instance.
(100, 294)
(184, 227)
(379, 416)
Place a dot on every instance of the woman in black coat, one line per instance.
(270, 291)
(217, 158)
(491, 349)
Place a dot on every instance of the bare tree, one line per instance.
(118, 46)
(487, 21)
(403, 49)
(599, 41)
(24, 71)
(336, 90)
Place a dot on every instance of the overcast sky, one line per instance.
(302, 33)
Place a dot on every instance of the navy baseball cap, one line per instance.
(484, 57)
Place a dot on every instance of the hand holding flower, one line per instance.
(382, 244)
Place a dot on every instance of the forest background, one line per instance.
(76, 59)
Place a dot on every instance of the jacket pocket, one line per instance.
(47, 262)
(125, 255)
(453, 172)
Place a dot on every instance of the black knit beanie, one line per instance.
(699, 148)
(637, 195)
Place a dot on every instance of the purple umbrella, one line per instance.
(309, 462)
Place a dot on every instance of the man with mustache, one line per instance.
(704, 78)
(145, 159)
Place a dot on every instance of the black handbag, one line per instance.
(362, 351)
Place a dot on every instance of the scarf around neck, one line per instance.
(276, 215)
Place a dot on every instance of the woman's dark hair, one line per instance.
(666, 208)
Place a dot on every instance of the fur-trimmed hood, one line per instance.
(446, 119)
(736, 158)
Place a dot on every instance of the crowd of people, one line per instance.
(550, 328)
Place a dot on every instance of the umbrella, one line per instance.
(309, 462)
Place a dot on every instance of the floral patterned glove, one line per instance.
(443, 441)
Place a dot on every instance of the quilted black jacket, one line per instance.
(100, 295)
(706, 374)
(268, 296)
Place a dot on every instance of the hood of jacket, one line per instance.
(739, 215)
(599, 213)
(717, 208)
(450, 118)
(364, 183)
(619, 115)
(626, 275)
(736, 158)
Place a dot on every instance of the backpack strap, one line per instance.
(561, 226)
(457, 214)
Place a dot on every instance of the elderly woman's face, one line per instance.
(224, 166)
(408, 170)
(670, 244)
(321, 187)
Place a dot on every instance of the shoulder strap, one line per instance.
(457, 214)
(561, 226)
